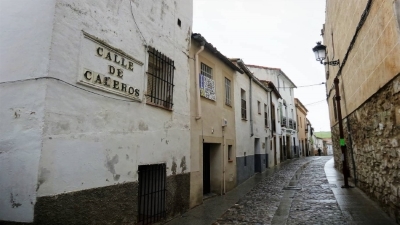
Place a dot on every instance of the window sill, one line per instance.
(230, 160)
(244, 119)
(159, 106)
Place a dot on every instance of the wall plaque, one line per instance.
(109, 69)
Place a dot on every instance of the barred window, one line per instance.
(227, 91)
(160, 81)
(243, 104)
(206, 71)
(265, 115)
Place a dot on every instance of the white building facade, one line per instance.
(253, 123)
(94, 107)
(286, 108)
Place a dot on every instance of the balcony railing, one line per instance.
(290, 123)
(284, 122)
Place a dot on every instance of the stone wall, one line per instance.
(375, 133)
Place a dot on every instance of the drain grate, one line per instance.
(291, 188)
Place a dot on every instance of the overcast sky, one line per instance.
(273, 33)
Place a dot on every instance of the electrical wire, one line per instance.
(134, 20)
(313, 103)
(306, 85)
(65, 82)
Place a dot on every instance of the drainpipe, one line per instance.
(223, 161)
(197, 80)
(251, 109)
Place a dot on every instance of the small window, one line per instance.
(243, 104)
(206, 71)
(245, 159)
(160, 79)
(230, 159)
(206, 83)
(227, 91)
(259, 107)
(265, 115)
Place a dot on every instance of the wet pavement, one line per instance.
(298, 191)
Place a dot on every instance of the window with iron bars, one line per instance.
(206, 70)
(227, 91)
(243, 104)
(265, 115)
(160, 81)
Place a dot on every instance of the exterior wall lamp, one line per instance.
(320, 55)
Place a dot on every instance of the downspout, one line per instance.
(251, 109)
(223, 161)
(197, 80)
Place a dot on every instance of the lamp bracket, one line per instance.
(331, 63)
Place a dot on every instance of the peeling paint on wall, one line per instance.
(14, 204)
(110, 163)
(143, 126)
(183, 164)
(174, 166)
(43, 175)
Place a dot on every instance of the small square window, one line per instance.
(230, 159)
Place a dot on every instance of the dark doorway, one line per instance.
(206, 168)
(151, 199)
(288, 155)
(257, 156)
(306, 142)
(281, 149)
(275, 153)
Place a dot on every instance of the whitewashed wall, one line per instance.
(25, 41)
(259, 94)
(278, 130)
(86, 140)
(243, 141)
(287, 94)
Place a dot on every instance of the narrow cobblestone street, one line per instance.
(301, 191)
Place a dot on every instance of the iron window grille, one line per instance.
(273, 125)
(265, 116)
(206, 71)
(160, 81)
(284, 122)
(227, 91)
(152, 193)
(243, 105)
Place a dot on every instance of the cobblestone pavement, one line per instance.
(260, 204)
(300, 193)
(315, 203)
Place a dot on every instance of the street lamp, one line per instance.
(320, 55)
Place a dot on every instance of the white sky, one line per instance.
(273, 33)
